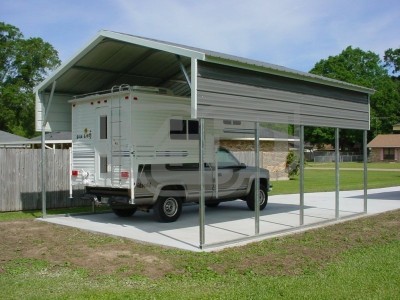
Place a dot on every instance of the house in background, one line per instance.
(274, 148)
(385, 147)
(54, 140)
(396, 128)
(9, 140)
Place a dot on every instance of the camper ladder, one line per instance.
(116, 137)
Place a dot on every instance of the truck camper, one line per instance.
(137, 148)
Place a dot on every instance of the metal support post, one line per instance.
(202, 188)
(69, 177)
(257, 179)
(337, 178)
(44, 122)
(43, 170)
(301, 153)
(365, 160)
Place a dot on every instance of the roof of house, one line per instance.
(57, 136)
(385, 141)
(12, 140)
(6, 137)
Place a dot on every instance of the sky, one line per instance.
(291, 33)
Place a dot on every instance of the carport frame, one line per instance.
(213, 59)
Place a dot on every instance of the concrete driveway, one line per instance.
(232, 220)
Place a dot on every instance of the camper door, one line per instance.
(103, 147)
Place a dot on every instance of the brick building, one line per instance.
(385, 147)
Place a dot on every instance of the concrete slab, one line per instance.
(232, 221)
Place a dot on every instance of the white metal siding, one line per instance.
(59, 118)
(223, 95)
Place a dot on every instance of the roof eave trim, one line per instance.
(158, 45)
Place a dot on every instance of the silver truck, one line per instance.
(165, 187)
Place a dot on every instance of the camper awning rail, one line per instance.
(128, 88)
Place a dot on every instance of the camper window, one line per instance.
(232, 122)
(193, 129)
(177, 129)
(103, 127)
(183, 129)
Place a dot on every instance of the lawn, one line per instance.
(355, 259)
(356, 165)
(320, 177)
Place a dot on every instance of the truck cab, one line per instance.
(165, 187)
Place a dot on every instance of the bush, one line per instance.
(292, 164)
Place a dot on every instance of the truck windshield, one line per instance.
(226, 159)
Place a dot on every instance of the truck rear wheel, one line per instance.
(263, 199)
(124, 212)
(167, 209)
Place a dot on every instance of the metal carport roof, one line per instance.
(111, 59)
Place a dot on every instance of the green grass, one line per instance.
(371, 272)
(33, 214)
(356, 165)
(319, 180)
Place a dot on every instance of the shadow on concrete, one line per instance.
(225, 212)
(394, 195)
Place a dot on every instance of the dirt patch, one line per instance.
(62, 246)
(104, 255)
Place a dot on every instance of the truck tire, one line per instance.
(263, 197)
(167, 209)
(124, 212)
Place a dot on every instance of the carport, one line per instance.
(218, 86)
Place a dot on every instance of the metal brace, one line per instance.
(184, 71)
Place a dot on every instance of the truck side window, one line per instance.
(103, 127)
(226, 159)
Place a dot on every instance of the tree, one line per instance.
(392, 59)
(363, 68)
(23, 64)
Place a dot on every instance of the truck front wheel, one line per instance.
(167, 209)
(263, 197)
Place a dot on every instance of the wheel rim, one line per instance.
(261, 199)
(170, 207)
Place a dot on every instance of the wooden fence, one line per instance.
(21, 184)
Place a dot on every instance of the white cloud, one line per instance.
(288, 32)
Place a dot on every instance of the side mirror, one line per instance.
(241, 166)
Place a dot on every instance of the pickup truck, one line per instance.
(165, 187)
